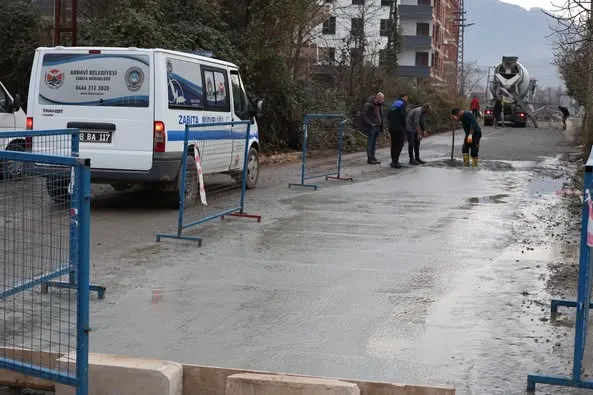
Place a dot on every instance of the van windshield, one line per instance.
(106, 80)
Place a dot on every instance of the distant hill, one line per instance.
(505, 29)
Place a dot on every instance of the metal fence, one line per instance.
(583, 302)
(44, 238)
(211, 153)
(55, 142)
(323, 143)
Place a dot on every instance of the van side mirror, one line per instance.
(17, 104)
(259, 108)
(14, 105)
(256, 109)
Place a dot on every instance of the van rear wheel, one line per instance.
(57, 188)
(13, 170)
(192, 184)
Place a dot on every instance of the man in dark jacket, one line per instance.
(565, 115)
(497, 112)
(372, 124)
(473, 134)
(397, 128)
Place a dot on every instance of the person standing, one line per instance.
(497, 112)
(415, 132)
(565, 115)
(397, 128)
(372, 123)
(474, 106)
(473, 134)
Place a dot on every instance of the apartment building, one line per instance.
(428, 46)
(429, 38)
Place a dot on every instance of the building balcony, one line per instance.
(414, 71)
(416, 42)
(423, 12)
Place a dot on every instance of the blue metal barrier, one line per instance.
(583, 302)
(335, 172)
(55, 142)
(43, 240)
(206, 152)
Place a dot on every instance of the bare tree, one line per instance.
(474, 76)
(572, 27)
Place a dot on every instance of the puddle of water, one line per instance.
(493, 199)
(545, 185)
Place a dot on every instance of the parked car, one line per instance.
(12, 117)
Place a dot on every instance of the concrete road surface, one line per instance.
(426, 275)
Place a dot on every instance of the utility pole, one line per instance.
(64, 23)
(460, 24)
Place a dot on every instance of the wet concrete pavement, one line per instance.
(427, 275)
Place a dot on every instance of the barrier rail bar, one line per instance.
(335, 175)
(36, 240)
(49, 142)
(583, 302)
(196, 140)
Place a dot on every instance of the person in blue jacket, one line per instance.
(397, 128)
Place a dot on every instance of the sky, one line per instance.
(546, 4)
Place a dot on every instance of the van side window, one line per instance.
(184, 84)
(239, 101)
(3, 100)
(216, 85)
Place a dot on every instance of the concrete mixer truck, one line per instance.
(510, 82)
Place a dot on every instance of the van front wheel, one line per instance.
(252, 170)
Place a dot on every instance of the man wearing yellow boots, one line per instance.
(473, 134)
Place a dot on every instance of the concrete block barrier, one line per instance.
(19, 380)
(116, 375)
(270, 384)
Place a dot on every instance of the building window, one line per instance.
(423, 29)
(422, 58)
(329, 26)
(357, 27)
(386, 3)
(357, 2)
(331, 55)
(424, 2)
(356, 56)
(385, 28)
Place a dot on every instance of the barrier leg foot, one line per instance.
(244, 215)
(180, 237)
(530, 383)
(532, 379)
(339, 178)
(565, 303)
(99, 289)
(304, 185)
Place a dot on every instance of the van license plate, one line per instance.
(95, 137)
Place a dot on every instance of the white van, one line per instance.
(131, 106)
(12, 118)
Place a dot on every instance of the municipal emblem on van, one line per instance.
(134, 78)
(54, 79)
